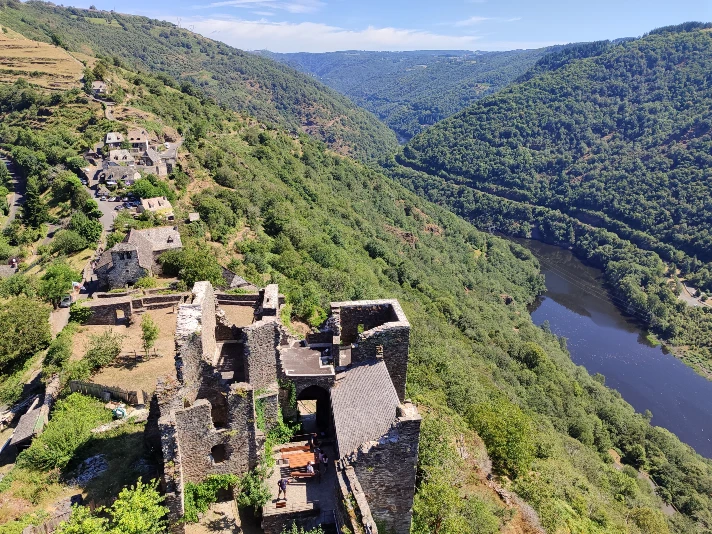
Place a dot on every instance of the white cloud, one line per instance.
(291, 6)
(318, 37)
(471, 21)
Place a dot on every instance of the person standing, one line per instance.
(325, 461)
(282, 487)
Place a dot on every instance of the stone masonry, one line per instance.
(207, 421)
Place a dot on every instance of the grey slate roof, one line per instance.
(364, 403)
(25, 428)
(145, 243)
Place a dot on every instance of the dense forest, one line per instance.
(603, 147)
(282, 210)
(410, 91)
(268, 90)
(623, 136)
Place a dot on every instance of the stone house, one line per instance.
(98, 88)
(229, 362)
(149, 158)
(158, 205)
(138, 139)
(113, 140)
(121, 156)
(135, 257)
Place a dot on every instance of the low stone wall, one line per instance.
(134, 398)
(353, 509)
(104, 311)
(246, 298)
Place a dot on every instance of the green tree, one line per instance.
(34, 210)
(193, 264)
(507, 433)
(67, 242)
(56, 282)
(89, 229)
(149, 332)
(24, 330)
(139, 510)
(82, 521)
(5, 177)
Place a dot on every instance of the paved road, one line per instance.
(19, 185)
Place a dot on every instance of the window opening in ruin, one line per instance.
(120, 315)
(218, 454)
(361, 328)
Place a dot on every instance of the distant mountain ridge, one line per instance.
(271, 91)
(412, 90)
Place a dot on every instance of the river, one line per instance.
(604, 341)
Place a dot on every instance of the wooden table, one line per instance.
(299, 460)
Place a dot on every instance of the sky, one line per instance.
(331, 25)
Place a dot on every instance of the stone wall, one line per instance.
(353, 509)
(202, 446)
(386, 471)
(270, 407)
(369, 314)
(195, 335)
(390, 342)
(103, 312)
(261, 340)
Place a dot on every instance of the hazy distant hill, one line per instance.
(412, 90)
(264, 88)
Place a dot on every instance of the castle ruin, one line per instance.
(235, 358)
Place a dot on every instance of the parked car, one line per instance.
(125, 199)
(119, 207)
(103, 198)
(66, 301)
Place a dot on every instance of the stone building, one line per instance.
(136, 257)
(233, 354)
(158, 205)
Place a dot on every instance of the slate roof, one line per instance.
(364, 403)
(155, 203)
(145, 243)
(26, 427)
(151, 155)
(113, 137)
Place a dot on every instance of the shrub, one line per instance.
(57, 282)
(79, 313)
(146, 282)
(199, 497)
(69, 429)
(103, 349)
(59, 351)
(507, 433)
(253, 489)
(68, 242)
(89, 229)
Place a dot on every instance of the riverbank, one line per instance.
(577, 306)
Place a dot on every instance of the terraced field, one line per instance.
(42, 64)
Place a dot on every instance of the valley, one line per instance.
(264, 272)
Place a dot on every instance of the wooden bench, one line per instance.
(302, 474)
(296, 448)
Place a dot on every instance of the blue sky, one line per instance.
(328, 25)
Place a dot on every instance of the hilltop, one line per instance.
(268, 90)
(410, 91)
(497, 392)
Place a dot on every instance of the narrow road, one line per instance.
(19, 187)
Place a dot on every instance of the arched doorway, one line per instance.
(314, 405)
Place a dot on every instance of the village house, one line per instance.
(113, 140)
(138, 139)
(149, 158)
(136, 257)
(98, 88)
(121, 156)
(158, 205)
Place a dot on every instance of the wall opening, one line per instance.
(314, 405)
(218, 454)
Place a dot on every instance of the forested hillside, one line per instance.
(624, 134)
(491, 385)
(256, 85)
(410, 91)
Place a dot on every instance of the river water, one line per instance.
(604, 341)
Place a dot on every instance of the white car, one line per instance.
(167, 145)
